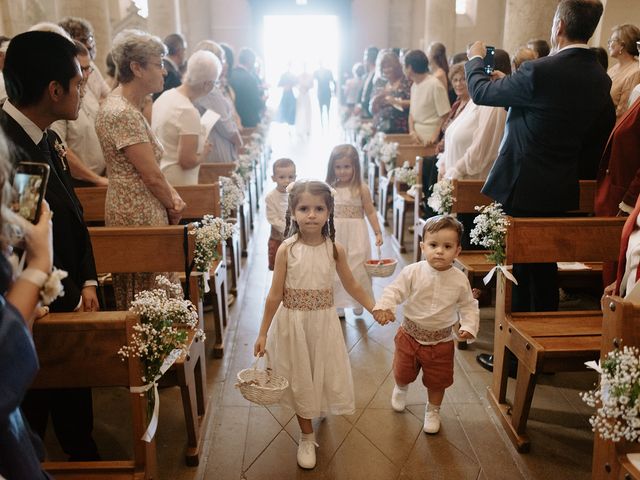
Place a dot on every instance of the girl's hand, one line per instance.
(379, 241)
(259, 346)
(464, 335)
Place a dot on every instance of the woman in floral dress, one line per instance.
(390, 103)
(138, 193)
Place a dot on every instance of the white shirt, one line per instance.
(633, 259)
(472, 141)
(277, 203)
(433, 299)
(80, 135)
(634, 95)
(429, 102)
(173, 116)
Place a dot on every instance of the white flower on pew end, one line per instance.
(53, 287)
(617, 400)
(209, 233)
(257, 138)
(388, 154)
(232, 194)
(441, 198)
(375, 144)
(244, 168)
(405, 174)
(490, 231)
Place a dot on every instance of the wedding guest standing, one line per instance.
(625, 74)
(390, 101)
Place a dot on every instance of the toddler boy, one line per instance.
(277, 200)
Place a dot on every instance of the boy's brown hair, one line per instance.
(441, 222)
(283, 163)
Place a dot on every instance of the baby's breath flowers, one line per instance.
(441, 198)
(210, 232)
(405, 174)
(490, 231)
(617, 401)
(388, 154)
(375, 144)
(232, 194)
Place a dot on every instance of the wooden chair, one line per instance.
(78, 350)
(620, 327)
(406, 153)
(545, 341)
(159, 249)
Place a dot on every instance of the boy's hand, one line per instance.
(383, 316)
(259, 346)
(464, 335)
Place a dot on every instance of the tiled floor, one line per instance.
(245, 441)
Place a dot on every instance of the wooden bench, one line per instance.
(545, 341)
(201, 200)
(620, 327)
(79, 350)
(160, 249)
(403, 203)
(406, 153)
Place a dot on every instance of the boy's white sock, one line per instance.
(311, 437)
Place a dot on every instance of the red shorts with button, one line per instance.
(436, 362)
(274, 244)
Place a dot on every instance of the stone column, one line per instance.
(527, 20)
(440, 23)
(196, 25)
(400, 23)
(164, 17)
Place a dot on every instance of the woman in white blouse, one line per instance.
(472, 140)
(176, 121)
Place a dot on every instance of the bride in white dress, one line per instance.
(303, 104)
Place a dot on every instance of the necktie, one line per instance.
(44, 148)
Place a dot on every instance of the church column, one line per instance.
(524, 21)
(196, 25)
(164, 17)
(97, 13)
(440, 23)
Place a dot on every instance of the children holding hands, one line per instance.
(436, 297)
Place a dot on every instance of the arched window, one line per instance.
(461, 7)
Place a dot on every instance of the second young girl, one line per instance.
(306, 344)
(353, 203)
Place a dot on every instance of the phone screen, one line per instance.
(30, 184)
(489, 60)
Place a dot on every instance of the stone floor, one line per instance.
(246, 441)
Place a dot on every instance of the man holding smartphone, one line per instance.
(560, 116)
(43, 80)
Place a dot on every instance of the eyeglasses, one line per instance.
(159, 65)
(87, 69)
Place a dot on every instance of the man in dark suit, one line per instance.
(173, 62)
(560, 116)
(44, 84)
(370, 55)
(246, 84)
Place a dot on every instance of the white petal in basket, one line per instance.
(259, 386)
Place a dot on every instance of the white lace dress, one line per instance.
(352, 233)
(305, 342)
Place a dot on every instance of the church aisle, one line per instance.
(245, 441)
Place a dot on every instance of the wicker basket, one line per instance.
(261, 386)
(382, 267)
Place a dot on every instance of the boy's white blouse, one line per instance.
(434, 299)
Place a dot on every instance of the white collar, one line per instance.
(30, 128)
(574, 45)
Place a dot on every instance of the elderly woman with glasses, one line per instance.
(625, 74)
(138, 193)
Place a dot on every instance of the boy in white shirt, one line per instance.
(277, 200)
(437, 297)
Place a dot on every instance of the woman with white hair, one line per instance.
(138, 194)
(225, 135)
(176, 121)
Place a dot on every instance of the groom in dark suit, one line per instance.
(44, 84)
(560, 116)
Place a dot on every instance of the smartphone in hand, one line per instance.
(489, 60)
(29, 184)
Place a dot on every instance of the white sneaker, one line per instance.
(340, 312)
(307, 453)
(358, 311)
(399, 398)
(431, 420)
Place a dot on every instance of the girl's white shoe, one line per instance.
(307, 453)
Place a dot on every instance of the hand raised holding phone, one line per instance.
(30, 184)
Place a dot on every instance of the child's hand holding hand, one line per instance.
(259, 346)
(383, 316)
(464, 335)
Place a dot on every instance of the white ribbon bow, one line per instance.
(505, 271)
(206, 277)
(153, 423)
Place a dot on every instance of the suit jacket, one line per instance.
(619, 173)
(365, 96)
(249, 103)
(72, 249)
(560, 117)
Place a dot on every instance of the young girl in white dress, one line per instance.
(306, 344)
(353, 202)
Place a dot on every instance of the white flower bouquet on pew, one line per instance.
(405, 174)
(161, 337)
(209, 233)
(441, 198)
(490, 231)
(375, 144)
(244, 167)
(388, 155)
(232, 193)
(617, 400)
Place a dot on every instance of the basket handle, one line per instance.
(379, 255)
(261, 357)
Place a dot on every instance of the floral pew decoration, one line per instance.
(388, 154)
(374, 145)
(232, 193)
(441, 198)
(167, 321)
(209, 233)
(407, 175)
(490, 231)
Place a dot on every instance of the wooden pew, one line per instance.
(406, 153)
(159, 249)
(620, 327)
(403, 203)
(78, 350)
(545, 341)
(201, 200)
